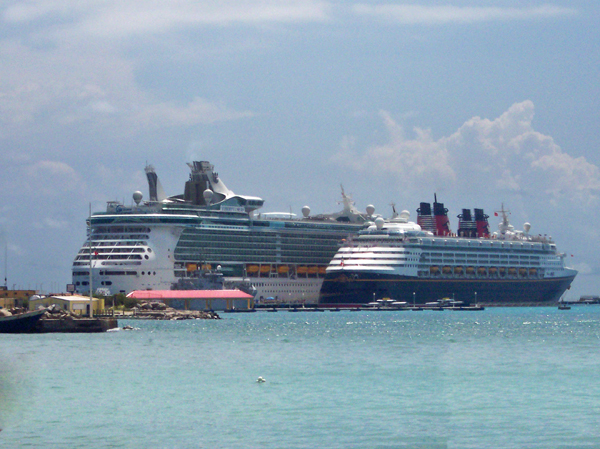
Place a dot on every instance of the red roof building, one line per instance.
(197, 299)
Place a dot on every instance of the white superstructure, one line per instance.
(153, 244)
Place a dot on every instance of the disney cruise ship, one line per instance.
(425, 261)
(155, 244)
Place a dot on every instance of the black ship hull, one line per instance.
(20, 324)
(350, 289)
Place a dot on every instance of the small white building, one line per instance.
(71, 303)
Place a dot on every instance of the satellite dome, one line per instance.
(526, 227)
(370, 209)
(379, 221)
(306, 211)
(404, 215)
(208, 195)
(137, 197)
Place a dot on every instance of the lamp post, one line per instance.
(414, 303)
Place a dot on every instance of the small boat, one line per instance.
(563, 306)
(21, 323)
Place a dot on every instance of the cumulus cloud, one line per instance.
(504, 154)
(419, 158)
(442, 14)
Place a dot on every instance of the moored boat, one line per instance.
(401, 259)
(154, 243)
(20, 323)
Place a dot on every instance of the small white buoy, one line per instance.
(260, 379)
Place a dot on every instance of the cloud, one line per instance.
(53, 88)
(443, 14)
(197, 111)
(501, 155)
(51, 179)
(407, 160)
(115, 19)
(583, 268)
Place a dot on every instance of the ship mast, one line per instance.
(90, 247)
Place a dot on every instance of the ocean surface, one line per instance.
(498, 378)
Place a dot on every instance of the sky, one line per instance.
(482, 103)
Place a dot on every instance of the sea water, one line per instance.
(501, 378)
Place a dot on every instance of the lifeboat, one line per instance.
(502, 271)
(447, 270)
(458, 270)
(434, 269)
(481, 271)
(265, 269)
(192, 267)
(532, 271)
(322, 270)
(252, 269)
(470, 270)
(492, 270)
(512, 271)
(522, 271)
(313, 270)
(283, 269)
(302, 270)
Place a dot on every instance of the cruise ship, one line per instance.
(157, 243)
(424, 262)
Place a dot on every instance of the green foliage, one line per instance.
(130, 303)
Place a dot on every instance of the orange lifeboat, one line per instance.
(252, 269)
(283, 269)
(458, 270)
(322, 270)
(470, 270)
(522, 271)
(302, 270)
(265, 269)
(512, 271)
(532, 271)
(481, 271)
(434, 269)
(447, 269)
(493, 270)
(313, 270)
(192, 267)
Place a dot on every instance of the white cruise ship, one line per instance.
(156, 243)
(425, 261)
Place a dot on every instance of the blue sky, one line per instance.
(483, 103)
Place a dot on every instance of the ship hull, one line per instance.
(349, 289)
(20, 324)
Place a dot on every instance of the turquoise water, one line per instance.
(502, 378)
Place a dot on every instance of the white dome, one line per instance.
(306, 211)
(370, 209)
(379, 221)
(137, 196)
(208, 195)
